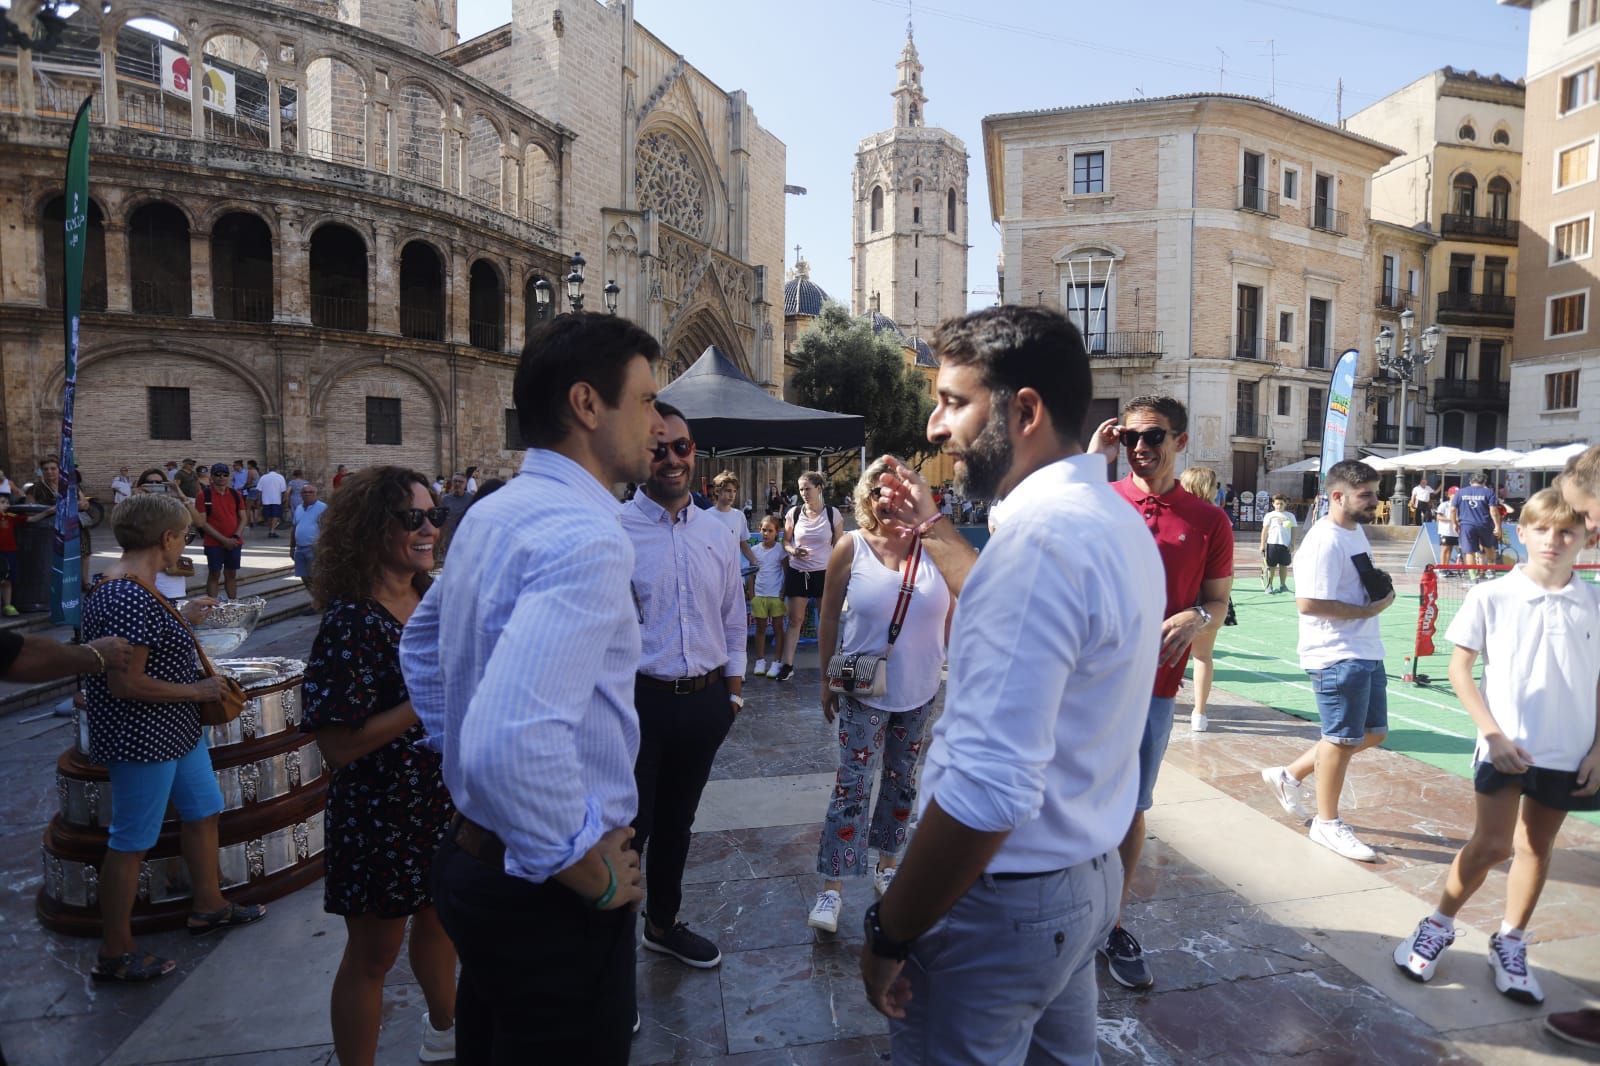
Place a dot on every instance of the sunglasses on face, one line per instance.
(411, 520)
(1152, 437)
(683, 447)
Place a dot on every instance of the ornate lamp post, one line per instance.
(541, 298)
(1402, 364)
(612, 291)
(544, 292)
(575, 282)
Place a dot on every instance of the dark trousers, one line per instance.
(678, 739)
(545, 978)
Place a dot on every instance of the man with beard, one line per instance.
(1195, 539)
(1026, 790)
(520, 663)
(1339, 596)
(691, 673)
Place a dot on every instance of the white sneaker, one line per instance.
(1286, 789)
(1418, 954)
(1508, 959)
(1341, 840)
(772, 670)
(883, 878)
(761, 667)
(438, 1045)
(825, 912)
(1199, 723)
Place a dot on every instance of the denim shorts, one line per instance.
(1153, 748)
(1352, 699)
(223, 558)
(140, 791)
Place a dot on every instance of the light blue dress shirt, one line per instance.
(691, 595)
(520, 662)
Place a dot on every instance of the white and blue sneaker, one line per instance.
(1508, 959)
(1418, 954)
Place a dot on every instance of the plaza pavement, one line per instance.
(1266, 948)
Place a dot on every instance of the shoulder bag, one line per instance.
(862, 674)
(212, 712)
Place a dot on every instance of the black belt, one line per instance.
(680, 686)
(478, 842)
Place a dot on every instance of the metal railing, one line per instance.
(1382, 434)
(225, 130)
(420, 323)
(411, 162)
(338, 312)
(539, 214)
(1315, 428)
(150, 112)
(339, 147)
(1249, 424)
(1319, 358)
(233, 304)
(1477, 303)
(1123, 342)
(1328, 220)
(483, 190)
(1392, 298)
(1247, 347)
(1482, 227)
(487, 335)
(1257, 199)
(160, 297)
(1456, 389)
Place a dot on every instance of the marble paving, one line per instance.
(1251, 965)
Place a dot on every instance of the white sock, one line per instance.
(1325, 821)
(1443, 920)
(1510, 932)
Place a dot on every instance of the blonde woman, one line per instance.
(1201, 481)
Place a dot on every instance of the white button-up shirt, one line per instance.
(520, 664)
(1052, 658)
(691, 597)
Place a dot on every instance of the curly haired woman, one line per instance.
(387, 805)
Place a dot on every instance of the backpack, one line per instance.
(205, 495)
(794, 515)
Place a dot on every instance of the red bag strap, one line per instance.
(908, 585)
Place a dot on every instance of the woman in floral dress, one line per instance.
(387, 804)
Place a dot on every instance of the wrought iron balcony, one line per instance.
(1257, 199)
(1249, 424)
(1479, 228)
(1247, 347)
(1382, 434)
(339, 147)
(487, 335)
(1470, 394)
(1327, 219)
(338, 312)
(1112, 344)
(1392, 298)
(1476, 308)
(421, 323)
(232, 304)
(160, 297)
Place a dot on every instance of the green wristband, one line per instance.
(611, 889)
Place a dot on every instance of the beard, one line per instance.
(985, 462)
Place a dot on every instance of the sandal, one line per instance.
(132, 967)
(231, 915)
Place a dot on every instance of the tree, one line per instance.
(843, 366)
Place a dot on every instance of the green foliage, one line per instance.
(843, 366)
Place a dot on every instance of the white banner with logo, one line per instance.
(216, 92)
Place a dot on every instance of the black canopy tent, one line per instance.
(733, 416)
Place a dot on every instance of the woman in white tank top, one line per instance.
(865, 574)
(810, 530)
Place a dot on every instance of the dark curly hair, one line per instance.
(358, 521)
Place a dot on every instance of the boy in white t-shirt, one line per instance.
(1538, 751)
(1277, 544)
(766, 602)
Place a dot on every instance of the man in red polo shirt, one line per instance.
(224, 509)
(1195, 539)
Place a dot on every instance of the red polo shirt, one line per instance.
(1195, 539)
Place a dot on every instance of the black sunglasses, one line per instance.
(1151, 437)
(683, 447)
(411, 520)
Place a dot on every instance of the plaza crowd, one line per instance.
(519, 746)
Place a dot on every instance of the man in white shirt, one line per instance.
(272, 486)
(1339, 595)
(1422, 501)
(691, 673)
(1012, 879)
(121, 486)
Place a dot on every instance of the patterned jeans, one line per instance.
(865, 735)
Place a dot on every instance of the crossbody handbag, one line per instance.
(862, 674)
(212, 712)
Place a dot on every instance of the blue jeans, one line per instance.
(303, 560)
(1352, 699)
(865, 734)
(1153, 748)
(1008, 975)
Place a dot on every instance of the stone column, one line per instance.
(108, 81)
(119, 294)
(197, 105)
(459, 328)
(200, 279)
(517, 312)
(25, 103)
(386, 282)
(275, 113)
(293, 299)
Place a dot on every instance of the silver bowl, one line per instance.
(228, 625)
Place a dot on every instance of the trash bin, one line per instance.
(30, 585)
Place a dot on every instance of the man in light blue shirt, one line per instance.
(691, 672)
(1032, 775)
(520, 662)
(303, 530)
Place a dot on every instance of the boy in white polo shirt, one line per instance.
(1538, 752)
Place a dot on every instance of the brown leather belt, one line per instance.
(680, 686)
(478, 842)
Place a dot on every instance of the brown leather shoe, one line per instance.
(1581, 1027)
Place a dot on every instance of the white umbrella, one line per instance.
(1431, 459)
(1550, 458)
(1380, 464)
(1304, 466)
(1493, 459)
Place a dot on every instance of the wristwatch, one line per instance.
(879, 943)
(1205, 615)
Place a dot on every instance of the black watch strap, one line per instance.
(880, 944)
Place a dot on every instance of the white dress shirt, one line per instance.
(1052, 659)
(690, 595)
(520, 664)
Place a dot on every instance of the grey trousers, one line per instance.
(1008, 976)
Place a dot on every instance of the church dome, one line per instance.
(880, 322)
(801, 295)
(925, 356)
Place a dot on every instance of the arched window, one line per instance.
(158, 260)
(338, 278)
(1499, 198)
(1502, 136)
(241, 268)
(877, 208)
(1464, 194)
(53, 223)
(421, 292)
(486, 300)
(950, 210)
(1466, 132)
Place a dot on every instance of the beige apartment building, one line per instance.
(1555, 368)
(1210, 246)
(1458, 185)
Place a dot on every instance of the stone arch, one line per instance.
(675, 176)
(142, 198)
(56, 379)
(331, 377)
(122, 17)
(248, 121)
(876, 222)
(337, 409)
(419, 131)
(140, 104)
(1463, 192)
(336, 110)
(50, 216)
(485, 142)
(1501, 135)
(700, 328)
(1467, 129)
(207, 218)
(1081, 249)
(541, 184)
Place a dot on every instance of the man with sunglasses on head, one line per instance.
(1195, 539)
(520, 662)
(691, 673)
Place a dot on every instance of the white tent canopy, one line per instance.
(1304, 466)
(1549, 458)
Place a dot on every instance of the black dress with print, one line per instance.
(388, 810)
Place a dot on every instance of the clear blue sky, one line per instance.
(819, 72)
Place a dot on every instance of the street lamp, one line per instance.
(575, 282)
(612, 291)
(1402, 364)
(542, 297)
